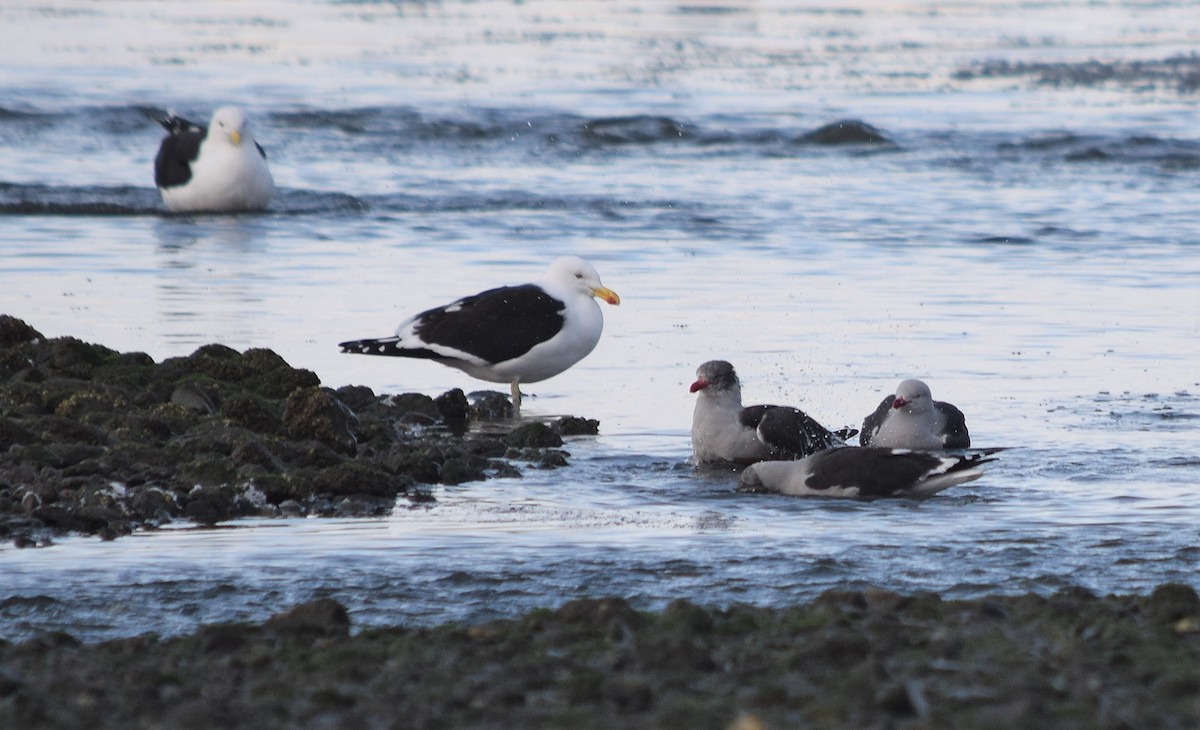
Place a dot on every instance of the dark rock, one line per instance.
(485, 446)
(902, 699)
(576, 426)
(216, 435)
(256, 453)
(490, 405)
(129, 372)
(355, 477)
(845, 131)
(224, 638)
(212, 438)
(453, 406)
(363, 505)
(74, 456)
(306, 454)
(17, 366)
(262, 361)
(253, 412)
(539, 458)
(413, 407)
(281, 382)
(63, 517)
(220, 362)
(1171, 602)
(196, 397)
(295, 486)
(315, 413)
(208, 505)
(15, 332)
(69, 356)
(599, 613)
(153, 504)
(141, 428)
(323, 617)
(460, 470)
(80, 405)
(60, 429)
(688, 615)
(420, 467)
(503, 470)
(419, 496)
(12, 432)
(291, 508)
(533, 435)
(356, 397)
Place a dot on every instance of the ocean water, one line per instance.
(1027, 241)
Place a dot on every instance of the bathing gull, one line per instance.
(912, 419)
(215, 169)
(725, 431)
(512, 334)
(864, 471)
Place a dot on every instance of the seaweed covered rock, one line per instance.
(316, 413)
(15, 332)
(102, 442)
(848, 659)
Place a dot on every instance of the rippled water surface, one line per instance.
(1027, 241)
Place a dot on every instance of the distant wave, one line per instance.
(403, 127)
(389, 135)
(1180, 72)
(1167, 154)
(18, 199)
(51, 200)
(95, 200)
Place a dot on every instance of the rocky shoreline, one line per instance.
(872, 659)
(100, 442)
(95, 441)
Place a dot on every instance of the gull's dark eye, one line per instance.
(579, 276)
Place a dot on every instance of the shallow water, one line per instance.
(1028, 245)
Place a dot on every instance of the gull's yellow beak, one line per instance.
(608, 295)
(235, 137)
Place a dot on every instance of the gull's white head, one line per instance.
(913, 396)
(573, 272)
(230, 123)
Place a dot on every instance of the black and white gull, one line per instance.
(511, 334)
(912, 419)
(214, 169)
(725, 431)
(864, 472)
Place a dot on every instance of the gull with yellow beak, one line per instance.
(214, 169)
(511, 334)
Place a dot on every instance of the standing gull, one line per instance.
(724, 430)
(219, 168)
(912, 419)
(855, 471)
(511, 334)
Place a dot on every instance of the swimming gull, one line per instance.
(864, 471)
(725, 431)
(219, 168)
(912, 419)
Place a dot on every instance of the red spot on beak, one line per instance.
(899, 402)
(700, 384)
